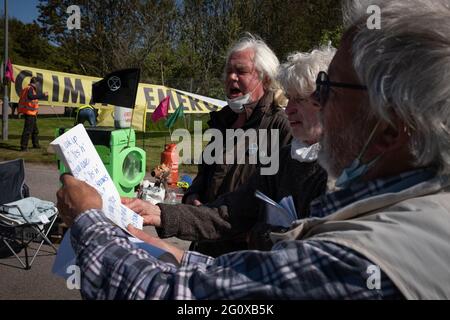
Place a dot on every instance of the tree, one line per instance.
(209, 27)
(181, 43)
(290, 25)
(27, 46)
(114, 34)
(206, 29)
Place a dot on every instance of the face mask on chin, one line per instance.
(237, 104)
(357, 169)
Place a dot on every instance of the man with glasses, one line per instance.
(324, 84)
(383, 235)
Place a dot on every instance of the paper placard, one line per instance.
(76, 150)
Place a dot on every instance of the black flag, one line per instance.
(118, 88)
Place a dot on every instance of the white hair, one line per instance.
(405, 66)
(298, 75)
(355, 12)
(266, 62)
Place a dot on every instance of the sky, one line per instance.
(24, 10)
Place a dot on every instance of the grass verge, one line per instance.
(152, 141)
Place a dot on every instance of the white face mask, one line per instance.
(302, 152)
(237, 104)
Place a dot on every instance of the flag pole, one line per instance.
(57, 118)
(131, 127)
(5, 94)
(145, 128)
(185, 124)
(143, 140)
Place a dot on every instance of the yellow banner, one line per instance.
(106, 117)
(72, 90)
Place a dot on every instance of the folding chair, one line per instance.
(19, 213)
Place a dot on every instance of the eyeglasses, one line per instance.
(323, 85)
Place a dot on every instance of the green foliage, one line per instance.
(29, 47)
(10, 149)
(333, 36)
(178, 43)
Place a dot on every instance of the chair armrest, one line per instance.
(21, 213)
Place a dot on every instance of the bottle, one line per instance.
(169, 157)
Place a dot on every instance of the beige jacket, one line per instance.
(407, 234)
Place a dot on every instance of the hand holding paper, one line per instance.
(75, 197)
(278, 214)
(148, 211)
(78, 153)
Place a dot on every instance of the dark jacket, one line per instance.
(239, 216)
(213, 180)
(37, 96)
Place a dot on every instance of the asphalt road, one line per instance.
(39, 283)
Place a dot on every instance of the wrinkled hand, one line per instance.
(75, 197)
(148, 211)
(194, 200)
(177, 253)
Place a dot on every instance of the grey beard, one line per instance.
(337, 154)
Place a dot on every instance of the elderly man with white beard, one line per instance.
(384, 234)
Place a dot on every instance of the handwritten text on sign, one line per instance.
(79, 155)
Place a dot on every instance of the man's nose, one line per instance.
(290, 109)
(233, 76)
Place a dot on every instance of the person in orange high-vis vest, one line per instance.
(29, 106)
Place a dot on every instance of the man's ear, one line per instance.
(391, 136)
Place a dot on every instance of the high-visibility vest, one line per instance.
(85, 106)
(28, 107)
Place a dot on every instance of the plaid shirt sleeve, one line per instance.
(113, 268)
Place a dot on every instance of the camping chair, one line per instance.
(21, 215)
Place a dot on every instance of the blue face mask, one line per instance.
(357, 169)
(354, 172)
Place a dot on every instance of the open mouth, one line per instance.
(235, 92)
(295, 123)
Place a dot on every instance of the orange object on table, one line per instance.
(170, 158)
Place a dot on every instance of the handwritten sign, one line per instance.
(78, 153)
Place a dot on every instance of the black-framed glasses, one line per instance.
(323, 85)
